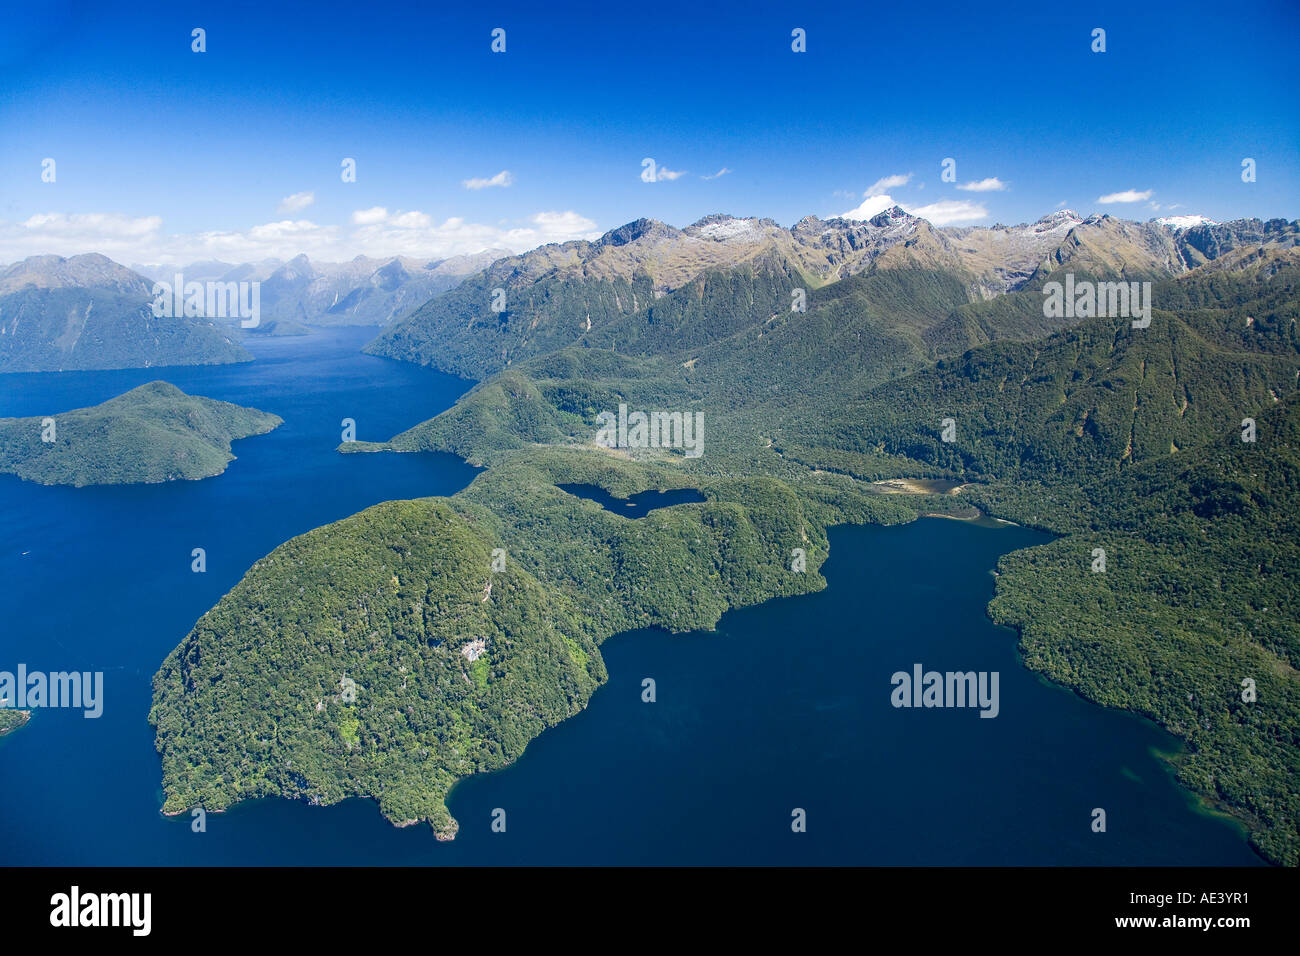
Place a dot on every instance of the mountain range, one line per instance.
(619, 291)
(363, 291)
(88, 312)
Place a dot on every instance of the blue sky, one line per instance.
(163, 154)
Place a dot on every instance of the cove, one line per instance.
(787, 705)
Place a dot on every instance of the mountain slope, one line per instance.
(1100, 396)
(88, 312)
(650, 288)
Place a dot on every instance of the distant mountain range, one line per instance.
(644, 287)
(619, 291)
(88, 312)
(361, 292)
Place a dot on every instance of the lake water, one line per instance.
(638, 505)
(785, 706)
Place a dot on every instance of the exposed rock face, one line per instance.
(91, 271)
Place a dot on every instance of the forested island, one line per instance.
(11, 720)
(152, 433)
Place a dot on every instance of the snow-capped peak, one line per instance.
(1067, 218)
(1185, 222)
(721, 228)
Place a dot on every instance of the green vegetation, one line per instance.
(152, 433)
(1113, 437)
(11, 720)
(1130, 441)
(1201, 591)
(252, 702)
(468, 338)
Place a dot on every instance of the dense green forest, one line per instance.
(1127, 440)
(1200, 593)
(152, 433)
(11, 720)
(255, 701)
(1131, 441)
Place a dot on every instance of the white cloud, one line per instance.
(871, 206)
(57, 233)
(990, 185)
(502, 178)
(415, 234)
(285, 229)
(110, 225)
(663, 172)
(944, 213)
(882, 186)
(1128, 195)
(373, 232)
(950, 212)
(411, 220)
(296, 203)
(721, 172)
(1061, 204)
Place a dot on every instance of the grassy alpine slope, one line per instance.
(152, 433)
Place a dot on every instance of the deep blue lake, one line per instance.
(785, 706)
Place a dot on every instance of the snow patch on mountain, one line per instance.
(721, 230)
(1185, 222)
